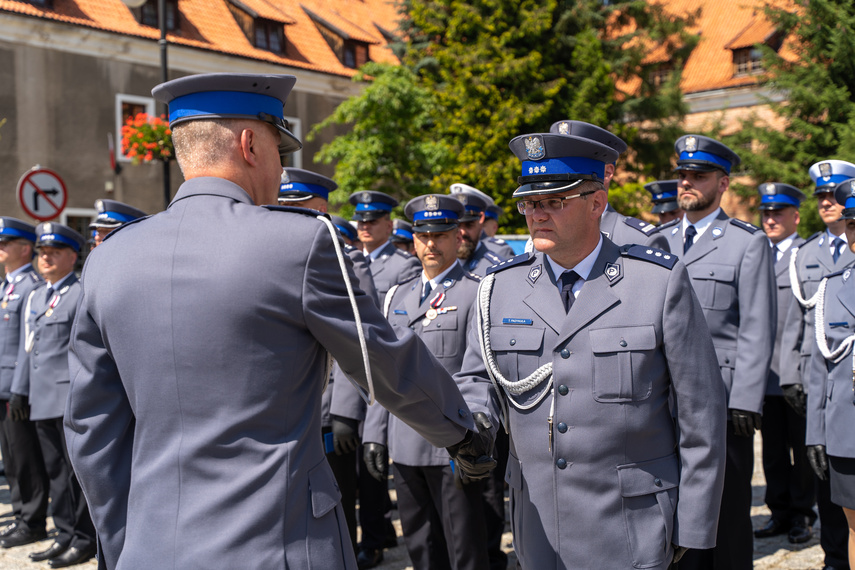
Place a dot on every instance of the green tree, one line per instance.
(389, 147)
(819, 108)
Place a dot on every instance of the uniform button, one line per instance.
(438, 325)
(565, 353)
(562, 427)
(35, 366)
(622, 343)
(463, 413)
(37, 353)
(712, 273)
(513, 341)
(561, 463)
(657, 482)
(563, 390)
(726, 360)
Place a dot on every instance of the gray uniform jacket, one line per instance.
(341, 398)
(445, 336)
(498, 246)
(42, 373)
(731, 266)
(193, 420)
(481, 260)
(391, 267)
(813, 262)
(786, 300)
(10, 326)
(831, 416)
(624, 230)
(621, 478)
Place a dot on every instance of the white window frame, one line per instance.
(78, 213)
(148, 102)
(297, 131)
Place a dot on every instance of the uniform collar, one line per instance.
(58, 284)
(377, 252)
(23, 269)
(582, 269)
(785, 243)
(441, 277)
(701, 225)
(211, 186)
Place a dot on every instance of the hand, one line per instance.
(19, 408)
(744, 423)
(795, 396)
(679, 551)
(473, 456)
(818, 460)
(345, 434)
(376, 458)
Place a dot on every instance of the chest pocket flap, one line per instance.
(57, 317)
(714, 284)
(516, 338)
(619, 354)
(623, 339)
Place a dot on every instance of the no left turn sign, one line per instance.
(42, 194)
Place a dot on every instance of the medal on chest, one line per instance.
(55, 301)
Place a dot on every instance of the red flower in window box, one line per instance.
(146, 138)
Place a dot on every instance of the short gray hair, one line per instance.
(202, 144)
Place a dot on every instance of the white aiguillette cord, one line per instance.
(819, 330)
(362, 344)
(794, 284)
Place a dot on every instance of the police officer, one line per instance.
(402, 236)
(731, 267)
(389, 265)
(821, 254)
(195, 435)
(587, 341)
(491, 227)
(664, 196)
(25, 469)
(41, 382)
(442, 520)
(832, 416)
(618, 228)
(111, 215)
(473, 253)
(346, 229)
(342, 407)
(789, 478)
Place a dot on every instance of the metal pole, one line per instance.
(164, 77)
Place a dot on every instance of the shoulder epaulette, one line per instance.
(296, 210)
(498, 241)
(123, 226)
(750, 228)
(402, 253)
(651, 254)
(472, 276)
(811, 238)
(518, 260)
(493, 257)
(639, 225)
(669, 225)
(408, 279)
(35, 277)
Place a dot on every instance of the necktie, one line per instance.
(568, 278)
(837, 247)
(426, 292)
(691, 232)
(49, 291)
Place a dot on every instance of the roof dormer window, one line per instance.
(348, 41)
(747, 61)
(269, 35)
(263, 24)
(147, 14)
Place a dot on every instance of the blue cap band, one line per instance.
(115, 216)
(491, 214)
(316, 189)
(60, 238)
(403, 233)
(373, 207)
(564, 165)
(780, 198)
(850, 202)
(707, 157)
(224, 103)
(18, 234)
(348, 231)
(435, 215)
(833, 179)
(670, 195)
(472, 209)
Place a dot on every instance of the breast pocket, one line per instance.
(441, 335)
(714, 284)
(58, 325)
(619, 354)
(518, 349)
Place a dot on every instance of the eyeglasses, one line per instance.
(548, 205)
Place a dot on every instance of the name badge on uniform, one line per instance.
(400, 312)
(515, 321)
(838, 325)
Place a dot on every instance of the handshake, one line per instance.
(473, 456)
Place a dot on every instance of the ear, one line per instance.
(598, 201)
(723, 184)
(248, 140)
(482, 218)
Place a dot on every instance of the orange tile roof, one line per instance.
(333, 20)
(209, 25)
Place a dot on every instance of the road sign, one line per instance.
(42, 194)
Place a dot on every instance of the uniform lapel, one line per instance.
(783, 265)
(596, 296)
(379, 264)
(708, 242)
(544, 295)
(823, 255)
(416, 310)
(846, 295)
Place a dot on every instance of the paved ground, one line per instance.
(769, 554)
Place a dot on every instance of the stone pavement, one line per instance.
(769, 554)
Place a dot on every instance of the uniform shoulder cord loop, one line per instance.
(794, 284)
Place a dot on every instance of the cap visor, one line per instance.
(697, 166)
(663, 207)
(538, 188)
(368, 216)
(434, 228)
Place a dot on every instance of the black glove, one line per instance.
(345, 434)
(19, 408)
(744, 423)
(679, 551)
(473, 456)
(376, 458)
(795, 396)
(818, 460)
